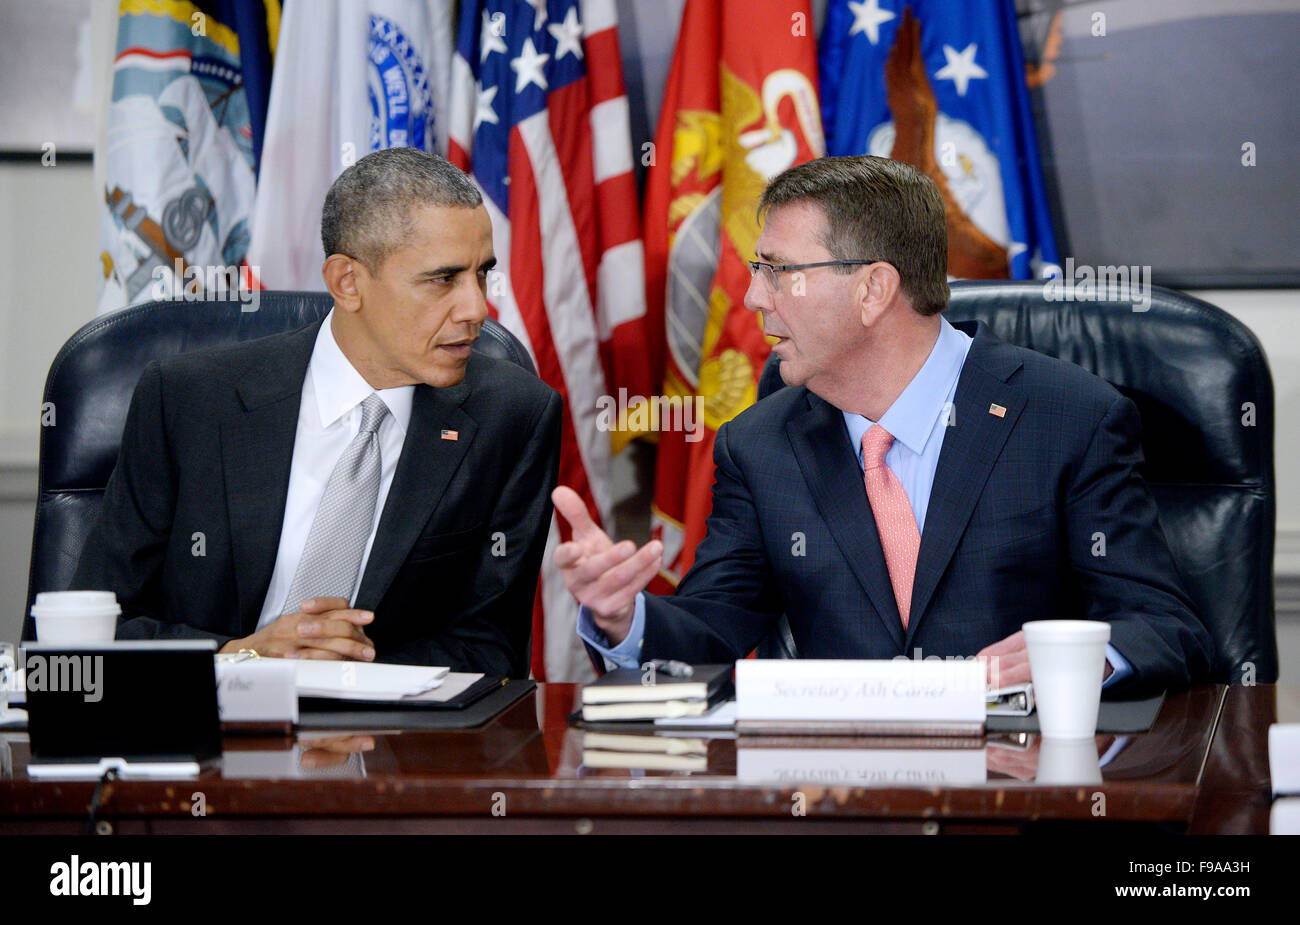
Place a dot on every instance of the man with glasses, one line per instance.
(920, 489)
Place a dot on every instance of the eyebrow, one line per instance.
(770, 258)
(451, 270)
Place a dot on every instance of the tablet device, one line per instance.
(145, 708)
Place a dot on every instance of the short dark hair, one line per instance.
(367, 212)
(877, 208)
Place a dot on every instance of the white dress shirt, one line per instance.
(329, 416)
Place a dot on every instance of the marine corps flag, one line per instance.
(739, 108)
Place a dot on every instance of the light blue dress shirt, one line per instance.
(918, 420)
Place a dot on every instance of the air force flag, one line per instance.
(941, 86)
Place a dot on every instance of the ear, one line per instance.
(879, 286)
(344, 278)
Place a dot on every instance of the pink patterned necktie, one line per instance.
(899, 538)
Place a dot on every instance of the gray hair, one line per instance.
(367, 213)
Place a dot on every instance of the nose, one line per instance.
(472, 307)
(758, 297)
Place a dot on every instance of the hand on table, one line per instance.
(323, 628)
(1008, 662)
(602, 575)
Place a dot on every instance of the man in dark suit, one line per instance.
(921, 489)
(363, 488)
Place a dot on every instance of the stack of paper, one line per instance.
(633, 694)
(366, 680)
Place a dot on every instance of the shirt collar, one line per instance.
(912, 415)
(340, 388)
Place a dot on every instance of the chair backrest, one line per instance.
(1203, 388)
(89, 388)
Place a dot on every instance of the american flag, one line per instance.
(539, 118)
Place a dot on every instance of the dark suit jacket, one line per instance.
(207, 450)
(1020, 504)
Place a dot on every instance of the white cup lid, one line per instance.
(1068, 630)
(74, 603)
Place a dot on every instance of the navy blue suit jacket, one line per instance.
(1022, 507)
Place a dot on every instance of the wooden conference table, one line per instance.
(1202, 768)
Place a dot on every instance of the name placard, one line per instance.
(818, 696)
(260, 690)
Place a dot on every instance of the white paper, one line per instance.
(1284, 817)
(365, 680)
(1284, 757)
(722, 716)
(452, 685)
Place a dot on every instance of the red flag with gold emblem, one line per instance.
(740, 107)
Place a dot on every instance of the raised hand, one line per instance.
(604, 576)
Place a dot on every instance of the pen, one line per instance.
(672, 667)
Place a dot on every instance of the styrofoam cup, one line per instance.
(1066, 659)
(76, 616)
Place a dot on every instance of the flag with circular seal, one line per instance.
(350, 78)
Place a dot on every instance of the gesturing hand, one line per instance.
(604, 576)
(323, 628)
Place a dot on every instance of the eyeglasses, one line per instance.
(770, 270)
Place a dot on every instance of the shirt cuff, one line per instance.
(627, 654)
(1121, 669)
(1120, 743)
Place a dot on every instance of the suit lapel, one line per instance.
(256, 456)
(426, 466)
(831, 471)
(971, 445)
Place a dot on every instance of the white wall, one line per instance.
(48, 242)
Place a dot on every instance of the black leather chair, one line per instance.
(90, 385)
(1202, 386)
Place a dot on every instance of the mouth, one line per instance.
(458, 349)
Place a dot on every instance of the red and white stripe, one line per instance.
(571, 262)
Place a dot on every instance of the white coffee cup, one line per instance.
(76, 617)
(1067, 659)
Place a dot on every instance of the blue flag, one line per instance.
(941, 85)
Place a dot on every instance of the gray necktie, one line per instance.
(331, 558)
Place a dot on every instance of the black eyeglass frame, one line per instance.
(775, 284)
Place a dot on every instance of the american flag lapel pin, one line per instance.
(995, 409)
(451, 434)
